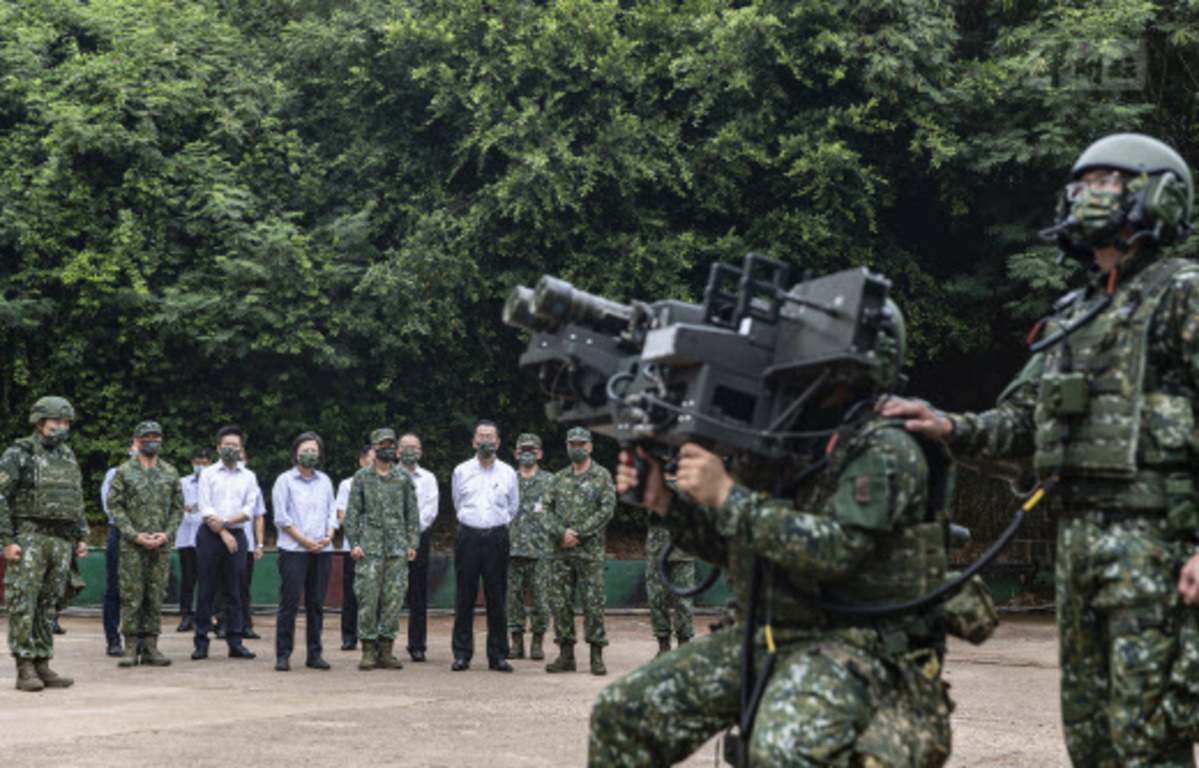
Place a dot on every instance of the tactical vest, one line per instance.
(51, 486)
(1093, 417)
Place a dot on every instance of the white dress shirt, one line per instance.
(305, 503)
(104, 492)
(186, 535)
(226, 492)
(485, 497)
(259, 511)
(428, 496)
(341, 504)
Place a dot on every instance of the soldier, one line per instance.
(528, 550)
(41, 527)
(1103, 414)
(838, 689)
(146, 501)
(383, 525)
(664, 604)
(349, 603)
(578, 509)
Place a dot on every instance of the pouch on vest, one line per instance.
(1183, 514)
(1066, 394)
(971, 614)
(1182, 693)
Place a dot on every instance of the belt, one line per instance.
(484, 531)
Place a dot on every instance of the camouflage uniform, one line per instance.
(1126, 502)
(144, 500)
(528, 556)
(382, 518)
(844, 690)
(585, 503)
(663, 604)
(41, 509)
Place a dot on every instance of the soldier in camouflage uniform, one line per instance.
(383, 524)
(1105, 411)
(528, 552)
(664, 604)
(862, 528)
(577, 512)
(146, 502)
(42, 528)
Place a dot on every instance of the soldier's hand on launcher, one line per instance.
(702, 476)
(656, 496)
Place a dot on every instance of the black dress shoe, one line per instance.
(417, 655)
(317, 663)
(281, 664)
(114, 648)
(199, 653)
(250, 634)
(349, 645)
(186, 625)
(460, 665)
(57, 629)
(500, 665)
(240, 652)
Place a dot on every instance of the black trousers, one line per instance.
(219, 609)
(112, 585)
(481, 552)
(216, 564)
(418, 596)
(307, 573)
(187, 580)
(349, 601)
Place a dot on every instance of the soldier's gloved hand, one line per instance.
(656, 496)
(12, 553)
(357, 554)
(1188, 581)
(702, 476)
(919, 417)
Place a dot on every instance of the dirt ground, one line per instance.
(233, 712)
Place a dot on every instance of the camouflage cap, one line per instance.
(528, 439)
(147, 428)
(578, 435)
(379, 435)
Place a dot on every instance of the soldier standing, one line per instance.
(41, 527)
(528, 552)
(664, 604)
(1104, 411)
(146, 500)
(578, 509)
(383, 525)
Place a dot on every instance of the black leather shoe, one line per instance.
(186, 625)
(317, 663)
(417, 655)
(460, 665)
(281, 664)
(240, 652)
(199, 653)
(349, 645)
(114, 648)
(57, 629)
(500, 665)
(250, 634)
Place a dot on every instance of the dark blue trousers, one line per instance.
(307, 573)
(112, 585)
(215, 563)
(349, 601)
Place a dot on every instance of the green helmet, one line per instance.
(1155, 204)
(51, 408)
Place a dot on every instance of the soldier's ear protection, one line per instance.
(1162, 206)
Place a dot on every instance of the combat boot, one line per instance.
(133, 652)
(518, 646)
(49, 677)
(387, 657)
(683, 641)
(369, 661)
(150, 653)
(663, 645)
(536, 653)
(597, 660)
(27, 679)
(565, 661)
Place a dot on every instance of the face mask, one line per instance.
(151, 447)
(409, 457)
(577, 455)
(309, 460)
(486, 449)
(197, 468)
(385, 454)
(56, 436)
(527, 458)
(132, 452)
(230, 455)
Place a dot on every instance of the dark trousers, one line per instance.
(308, 573)
(481, 552)
(349, 601)
(112, 585)
(418, 596)
(187, 580)
(216, 564)
(219, 609)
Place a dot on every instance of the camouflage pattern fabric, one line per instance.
(380, 584)
(583, 502)
(664, 604)
(143, 578)
(32, 586)
(528, 535)
(39, 483)
(528, 575)
(383, 516)
(587, 576)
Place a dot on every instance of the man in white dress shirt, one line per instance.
(349, 601)
(428, 497)
(486, 498)
(185, 538)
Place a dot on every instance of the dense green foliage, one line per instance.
(298, 214)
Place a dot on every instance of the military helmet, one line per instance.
(51, 408)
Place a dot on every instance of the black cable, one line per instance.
(675, 589)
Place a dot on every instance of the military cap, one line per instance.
(147, 428)
(528, 438)
(578, 435)
(379, 435)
